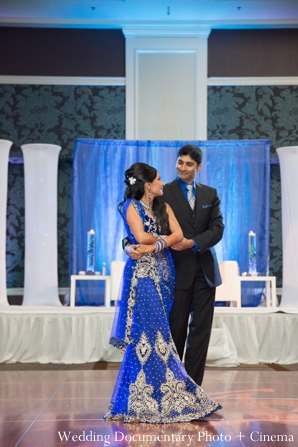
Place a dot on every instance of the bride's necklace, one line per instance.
(147, 207)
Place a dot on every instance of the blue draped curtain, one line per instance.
(240, 170)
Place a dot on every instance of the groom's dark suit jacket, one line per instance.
(204, 225)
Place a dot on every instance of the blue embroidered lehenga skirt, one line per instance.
(152, 384)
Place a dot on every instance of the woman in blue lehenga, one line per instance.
(152, 385)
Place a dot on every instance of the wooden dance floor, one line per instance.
(63, 405)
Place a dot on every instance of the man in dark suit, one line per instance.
(197, 272)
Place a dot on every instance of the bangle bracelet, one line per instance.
(159, 245)
(163, 239)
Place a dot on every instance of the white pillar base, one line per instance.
(288, 157)
(41, 267)
(5, 146)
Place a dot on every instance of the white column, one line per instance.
(41, 270)
(5, 146)
(288, 158)
(166, 82)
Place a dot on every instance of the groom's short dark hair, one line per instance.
(193, 151)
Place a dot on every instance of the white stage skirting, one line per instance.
(81, 334)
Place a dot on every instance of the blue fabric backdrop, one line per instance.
(240, 170)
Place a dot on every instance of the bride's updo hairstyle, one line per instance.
(135, 178)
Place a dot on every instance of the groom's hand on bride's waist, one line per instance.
(133, 252)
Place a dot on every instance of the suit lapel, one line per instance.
(181, 200)
(199, 201)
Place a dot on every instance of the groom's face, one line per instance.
(187, 168)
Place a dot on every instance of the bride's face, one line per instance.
(156, 186)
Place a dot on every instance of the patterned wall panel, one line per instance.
(250, 112)
(15, 233)
(57, 115)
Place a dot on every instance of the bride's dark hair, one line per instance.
(135, 178)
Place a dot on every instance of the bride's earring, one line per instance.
(149, 196)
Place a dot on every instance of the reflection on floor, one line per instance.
(63, 405)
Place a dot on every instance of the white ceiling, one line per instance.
(117, 13)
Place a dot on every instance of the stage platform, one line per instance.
(81, 335)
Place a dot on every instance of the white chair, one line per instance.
(117, 268)
(230, 289)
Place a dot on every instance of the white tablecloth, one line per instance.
(81, 334)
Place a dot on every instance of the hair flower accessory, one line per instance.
(132, 180)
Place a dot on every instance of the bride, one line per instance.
(152, 385)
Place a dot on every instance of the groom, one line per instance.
(197, 209)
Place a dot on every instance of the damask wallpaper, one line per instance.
(252, 112)
(59, 114)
